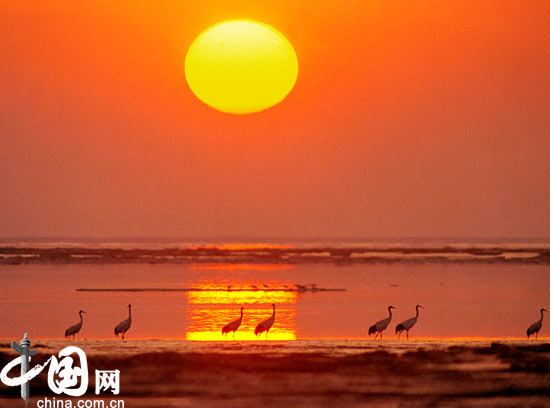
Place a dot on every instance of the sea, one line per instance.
(468, 348)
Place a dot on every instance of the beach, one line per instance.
(312, 373)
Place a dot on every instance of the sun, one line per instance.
(241, 66)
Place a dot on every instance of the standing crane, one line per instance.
(535, 327)
(233, 326)
(407, 324)
(265, 325)
(123, 326)
(381, 325)
(71, 331)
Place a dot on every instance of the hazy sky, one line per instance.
(409, 118)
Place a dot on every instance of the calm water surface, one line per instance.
(460, 300)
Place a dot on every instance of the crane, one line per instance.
(407, 324)
(381, 325)
(123, 326)
(266, 324)
(535, 327)
(233, 326)
(71, 331)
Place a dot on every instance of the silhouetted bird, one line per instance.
(407, 324)
(123, 326)
(71, 331)
(265, 325)
(535, 327)
(381, 325)
(233, 326)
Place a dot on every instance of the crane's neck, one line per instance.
(129, 312)
(541, 315)
(80, 314)
(389, 310)
(416, 311)
(241, 313)
(273, 310)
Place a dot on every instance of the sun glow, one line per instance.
(242, 267)
(241, 66)
(209, 311)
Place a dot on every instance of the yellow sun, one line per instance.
(241, 66)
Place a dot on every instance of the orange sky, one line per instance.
(425, 118)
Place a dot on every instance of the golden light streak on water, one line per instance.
(241, 297)
(241, 247)
(274, 335)
(242, 267)
(209, 310)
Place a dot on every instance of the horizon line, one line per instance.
(260, 238)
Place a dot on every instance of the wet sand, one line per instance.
(312, 373)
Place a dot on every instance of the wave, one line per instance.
(423, 374)
(277, 254)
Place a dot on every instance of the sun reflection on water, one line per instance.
(242, 267)
(212, 307)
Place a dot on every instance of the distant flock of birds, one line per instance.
(376, 329)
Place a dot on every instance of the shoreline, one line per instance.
(275, 375)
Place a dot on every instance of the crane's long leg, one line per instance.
(380, 335)
(266, 333)
(399, 335)
(233, 334)
(407, 335)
